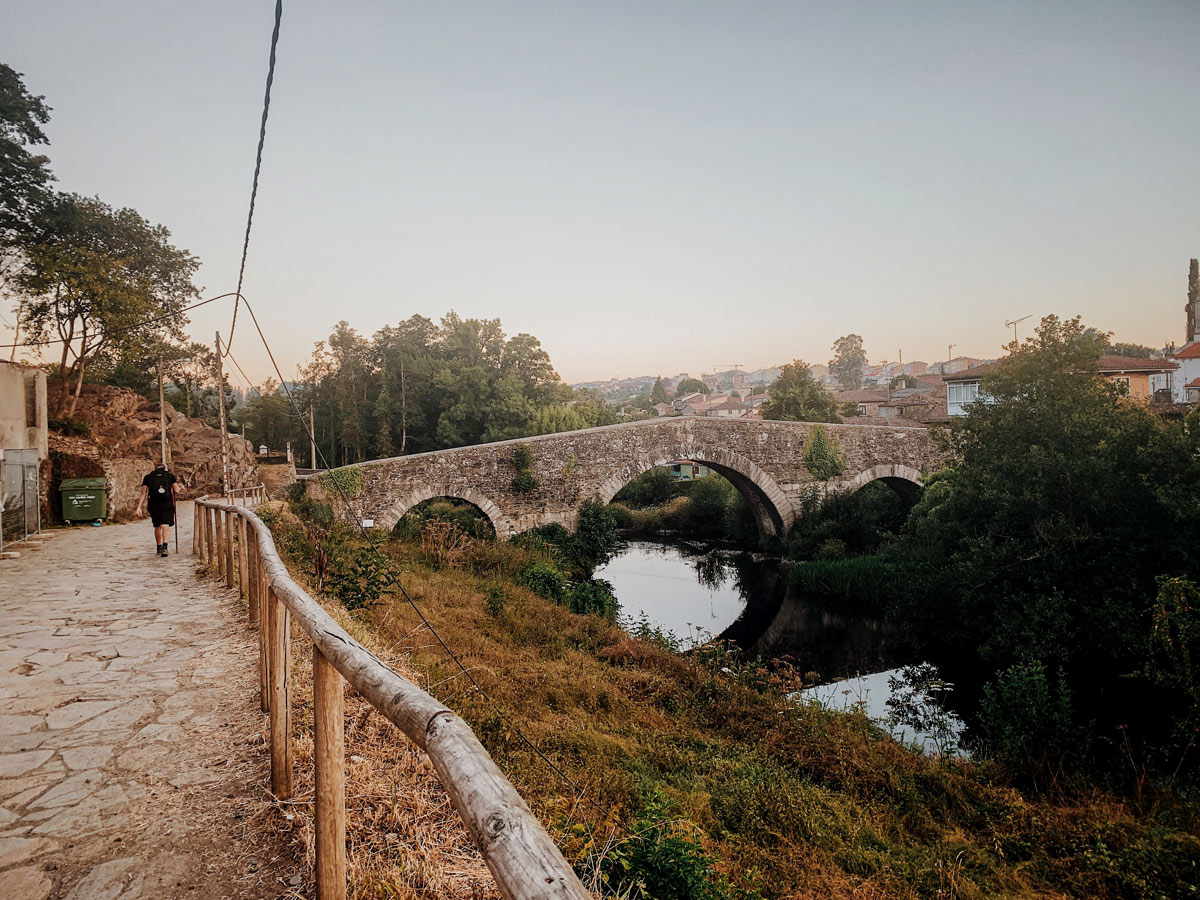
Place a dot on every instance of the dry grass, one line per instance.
(404, 839)
(793, 801)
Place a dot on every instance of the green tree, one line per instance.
(1121, 348)
(1043, 541)
(822, 456)
(658, 393)
(691, 386)
(796, 397)
(92, 277)
(24, 176)
(848, 361)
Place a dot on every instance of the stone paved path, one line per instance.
(131, 745)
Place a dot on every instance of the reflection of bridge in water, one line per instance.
(762, 459)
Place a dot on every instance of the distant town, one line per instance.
(913, 393)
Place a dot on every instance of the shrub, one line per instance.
(346, 481)
(356, 576)
(1026, 719)
(77, 427)
(822, 455)
(593, 597)
(664, 860)
(545, 580)
(522, 461)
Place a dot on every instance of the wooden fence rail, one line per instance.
(522, 858)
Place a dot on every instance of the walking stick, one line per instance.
(175, 518)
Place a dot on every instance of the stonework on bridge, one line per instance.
(763, 459)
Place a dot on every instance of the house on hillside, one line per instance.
(1136, 375)
(868, 401)
(727, 409)
(664, 409)
(1186, 376)
(688, 470)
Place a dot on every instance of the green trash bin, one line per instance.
(84, 499)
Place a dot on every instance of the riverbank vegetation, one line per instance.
(1052, 568)
(656, 503)
(698, 776)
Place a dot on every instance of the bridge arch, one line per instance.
(396, 511)
(905, 480)
(773, 512)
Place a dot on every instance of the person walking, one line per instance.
(157, 495)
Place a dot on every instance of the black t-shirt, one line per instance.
(158, 487)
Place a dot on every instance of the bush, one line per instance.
(594, 597)
(77, 427)
(545, 580)
(664, 860)
(822, 456)
(356, 576)
(522, 461)
(346, 481)
(1027, 722)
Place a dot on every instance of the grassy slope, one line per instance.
(795, 800)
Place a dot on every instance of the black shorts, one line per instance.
(162, 515)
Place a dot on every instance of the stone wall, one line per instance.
(763, 459)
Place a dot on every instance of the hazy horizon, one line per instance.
(648, 190)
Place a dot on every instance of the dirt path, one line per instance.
(132, 761)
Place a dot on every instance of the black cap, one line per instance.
(160, 465)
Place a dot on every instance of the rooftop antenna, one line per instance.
(1014, 323)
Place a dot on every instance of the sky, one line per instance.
(647, 187)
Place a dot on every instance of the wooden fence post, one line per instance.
(195, 528)
(329, 753)
(229, 570)
(208, 537)
(264, 625)
(219, 527)
(279, 647)
(243, 560)
(252, 576)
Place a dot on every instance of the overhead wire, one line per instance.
(153, 320)
(391, 575)
(262, 138)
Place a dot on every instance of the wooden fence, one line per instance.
(522, 858)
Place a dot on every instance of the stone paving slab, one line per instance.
(131, 757)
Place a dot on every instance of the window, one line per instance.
(959, 394)
(862, 409)
(1122, 383)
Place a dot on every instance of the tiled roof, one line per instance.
(1190, 350)
(1134, 364)
(1195, 382)
(1107, 364)
(861, 396)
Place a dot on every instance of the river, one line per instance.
(697, 593)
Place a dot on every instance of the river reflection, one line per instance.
(698, 593)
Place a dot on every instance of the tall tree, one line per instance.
(1193, 304)
(24, 176)
(796, 397)
(658, 393)
(1043, 541)
(848, 361)
(93, 277)
(691, 386)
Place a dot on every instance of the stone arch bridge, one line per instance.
(763, 459)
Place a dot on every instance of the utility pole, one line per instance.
(312, 433)
(224, 426)
(162, 417)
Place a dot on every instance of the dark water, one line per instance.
(699, 593)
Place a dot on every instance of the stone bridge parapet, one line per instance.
(763, 459)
